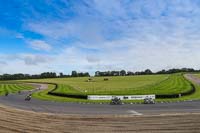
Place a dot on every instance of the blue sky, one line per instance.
(90, 35)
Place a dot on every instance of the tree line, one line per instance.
(27, 76)
(145, 72)
(42, 75)
(97, 73)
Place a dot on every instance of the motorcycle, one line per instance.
(6, 94)
(116, 101)
(149, 101)
(28, 98)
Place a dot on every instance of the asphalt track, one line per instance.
(17, 101)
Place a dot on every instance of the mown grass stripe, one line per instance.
(174, 84)
(5, 87)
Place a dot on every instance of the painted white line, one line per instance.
(133, 112)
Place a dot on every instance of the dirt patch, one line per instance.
(18, 121)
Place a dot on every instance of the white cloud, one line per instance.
(117, 35)
(31, 59)
(39, 45)
(133, 57)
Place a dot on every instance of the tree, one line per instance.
(87, 74)
(161, 72)
(148, 71)
(61, 75)
(74, 74)
(114, 73)
(122, 73)
(129, 73)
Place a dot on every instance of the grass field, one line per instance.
(115, 85)
(148, 84)
(13, 87)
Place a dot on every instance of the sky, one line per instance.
(88, 35)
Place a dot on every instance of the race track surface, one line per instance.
(17, 101)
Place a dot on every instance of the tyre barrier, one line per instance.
(68, 95)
